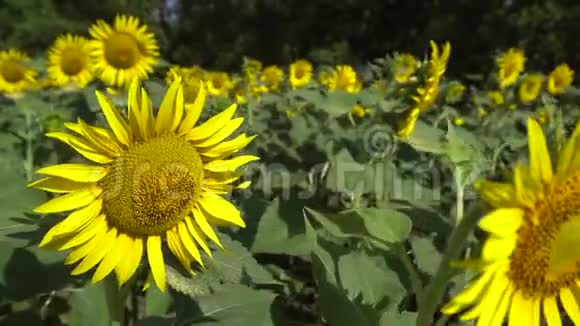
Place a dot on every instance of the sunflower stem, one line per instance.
(29, 153)
(459, 198)
(414, 277)
(434, 292)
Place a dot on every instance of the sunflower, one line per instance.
(405, 66)
(192, 79)
(530, 88)
(123, 51)
(325, 78)
(496, 97)
(272, 77)
(154, 179)
(510, 64)
(252, 69)
(69, 62)
(344, 78)
(300, 73)
(529, 263)
(360, 111)
(15, 75)
(560, 79)
(239, 91)
(218, 83)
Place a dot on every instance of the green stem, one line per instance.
(29, 154)
(414, 276)
(459, 199)
(436, 289)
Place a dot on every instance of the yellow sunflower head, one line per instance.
(344, 78)
(192, 80)
(69, 62)
(530, 88)
(124, 51)
(325, 77)
(529, 265)
(218, 83)
(510, 64)
(15, 75)
(300, 73)
(239, 91)
(360, 111)
(154, 179)
(405, 66)
(560, 79)
(272, 77)
(496, 97)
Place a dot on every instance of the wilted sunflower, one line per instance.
(560, 79)
(123, 51)
(405, 66)
(344, 78)
(530, 88)
(510, 64)
(272, 77)
(15, 75)
(300, 73)
(69, 62)
(218, 83)
(154, 179)
(529, 265)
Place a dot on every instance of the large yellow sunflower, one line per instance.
(154, 179)
(529, 267)
(15, 75)
(69, 62)
(123, 51)
(510, 64)
(560, 79)
(300, 73)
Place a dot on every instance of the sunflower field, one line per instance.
(140, 191)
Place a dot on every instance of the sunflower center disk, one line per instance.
(12, 71)
(122, 51)
(72, 62)
(537, 242)
(152, 186)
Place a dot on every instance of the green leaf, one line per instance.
(232, 305)
(281, 230)
(369, 277)
(400, 319)
(90, 306)
(157, 302)
(426, 255)
(426, 138)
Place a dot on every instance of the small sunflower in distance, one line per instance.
(124, 51)
(344, 78)
(405, 66)
(15, 75)
(272, 77)
(300, 73)
(192, 79)
(154, 178)
(530, 88)
(69, 62)
(510, 64)
(560, 79)
(218, 83)
(528, 269)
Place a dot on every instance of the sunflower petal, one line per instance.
(98, 231)
(569, 158)
(58, 185)
(114, 119)
(118, 251)
(193, 112)
(551, 312)
(496, 249)
(75, 172)
(503, 307)
(496, 194)
(521, 310)
(502, 221)
(197, 235)
(177, 248)
(69, 201)
(98, 226)
(212, 125)
(188, 243)
(230, 165)
(81, 146)
(222, 134)
(227, 148)
(470, 294)
(492, 298)
(221, 209)
(201, 221)
(102, 247)
(73, 222)
(134, 107)
(127, 267)
(171, 109)
(155, 258)
(540, 163)
(570, 304)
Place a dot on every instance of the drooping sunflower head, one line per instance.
(218, 83)
(192, 78)
(15, 75)
(124, 51)
(69, 62)
(404, 67)
(300, 73)
(510, 63)
(530, 88)
(560, 79)
(529, 263)
(345, 78)
(154, 179)
(272, 77)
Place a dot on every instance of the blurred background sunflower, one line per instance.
(15, 75)
(69, 62)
